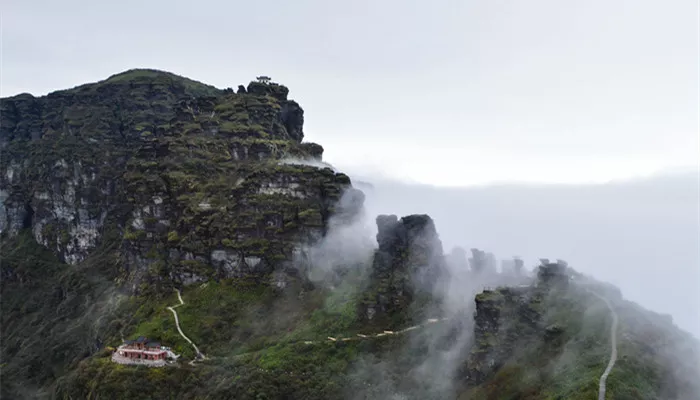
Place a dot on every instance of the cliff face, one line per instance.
(186, 174)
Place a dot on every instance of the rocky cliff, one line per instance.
(407, 269)
(188, 175)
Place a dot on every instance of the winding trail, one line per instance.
(613, 345)
(357, 337)
(177, 323)
(361, 336)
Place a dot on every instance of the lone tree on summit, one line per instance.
(263, 79)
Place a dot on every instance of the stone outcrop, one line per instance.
(184, 175)
(482, 262)
(407, 268)
(502, 317)
(553, 274)
(512, 323)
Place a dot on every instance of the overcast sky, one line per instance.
(443, 92)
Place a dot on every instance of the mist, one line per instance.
(640, 235)
(434, 350)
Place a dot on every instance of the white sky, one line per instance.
(447, 92)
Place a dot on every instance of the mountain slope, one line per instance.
(560, 345)
(118, 193)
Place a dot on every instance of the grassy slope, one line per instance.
(252, 336)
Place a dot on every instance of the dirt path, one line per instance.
(361, 336)
(613, 345)
(177, 323)
(357, 337)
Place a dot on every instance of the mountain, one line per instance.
(151, 205)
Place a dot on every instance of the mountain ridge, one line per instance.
(117, 193)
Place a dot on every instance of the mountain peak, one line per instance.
(137, 77)
(124, 199)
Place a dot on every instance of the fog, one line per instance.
(640, 235)
(452, 280)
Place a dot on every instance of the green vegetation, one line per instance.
(52, 315)
(173, 236)
(153, 77)
(254, 337)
